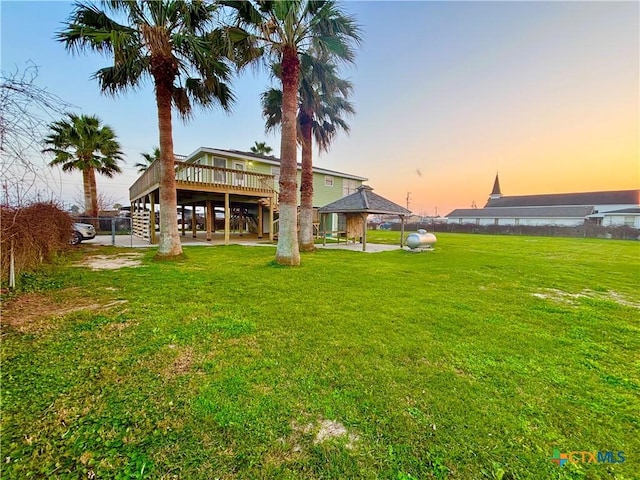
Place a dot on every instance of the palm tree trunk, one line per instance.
(306, 185)
(94, 193)
(287, 252)
(89, 185)
(86, 184)
(169, 243)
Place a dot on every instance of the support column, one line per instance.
(323, 224)
(182, 213)
(364, 232)
(208, 220)
(213, 216)
(260, 220)
(227, 213)
(194, 221)
(401, 231)
(152, 217)
(272, 205)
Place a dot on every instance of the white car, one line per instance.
(82, 231)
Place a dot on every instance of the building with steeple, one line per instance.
(495, 192)
(607, 208)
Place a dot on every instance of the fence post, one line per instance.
(12, 269)
(113, 231)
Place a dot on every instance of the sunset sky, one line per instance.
(447, 94)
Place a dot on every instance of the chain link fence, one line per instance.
(110, 230)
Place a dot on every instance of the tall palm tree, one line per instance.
(149, 158)
(261, 148)
(81, 142)
(285, 30)
(173, 42)
(323, 100)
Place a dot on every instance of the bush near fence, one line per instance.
(587, 230)
(36, 233)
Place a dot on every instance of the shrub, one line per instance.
(35, 233)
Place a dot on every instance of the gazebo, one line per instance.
(356, 207)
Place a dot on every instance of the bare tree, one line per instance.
(25, 111)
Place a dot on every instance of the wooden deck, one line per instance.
(204, 178)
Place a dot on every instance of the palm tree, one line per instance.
(261, 148)
(174, 43)
(149, 158)
(285, 30)
(322, 102)
(81, 142)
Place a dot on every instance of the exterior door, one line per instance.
(238, 177)
(219, 176)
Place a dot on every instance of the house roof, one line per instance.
(622, 211)
(620, 197)
(365, 201)
(523, 212)
(269, 159)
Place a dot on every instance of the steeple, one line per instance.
(495, 193)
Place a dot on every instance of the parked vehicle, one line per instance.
(82, 231)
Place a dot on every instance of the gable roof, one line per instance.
(269, 159)
(365, 201)
(523, 212)
(620, 197)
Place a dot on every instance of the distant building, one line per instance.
(612, 208)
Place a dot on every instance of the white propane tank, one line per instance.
(421, 239)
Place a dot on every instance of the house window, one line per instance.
(328, 181)
(477, 221)
(348, 187)
(496, 221)
(517, 222)
(628, 221)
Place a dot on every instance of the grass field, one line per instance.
(473, 361)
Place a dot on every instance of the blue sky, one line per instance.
(447, 93)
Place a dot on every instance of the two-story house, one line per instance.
(237, 188)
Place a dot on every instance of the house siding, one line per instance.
(322, 195)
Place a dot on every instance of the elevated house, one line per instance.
(607, 208)
(238, 188)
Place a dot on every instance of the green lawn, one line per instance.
(473, 361)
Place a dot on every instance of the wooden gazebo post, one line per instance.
(401, 231)
(364, 231)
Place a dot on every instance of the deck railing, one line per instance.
(194, 175)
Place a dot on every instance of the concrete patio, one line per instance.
(129, 241)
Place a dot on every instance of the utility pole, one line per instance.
(408, 198)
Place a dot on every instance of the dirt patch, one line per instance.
(33, 312)
(561, 296)
(322, 431)
(111, 262)
(181, 365)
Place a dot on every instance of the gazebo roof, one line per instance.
(365, 201)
